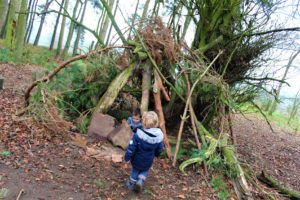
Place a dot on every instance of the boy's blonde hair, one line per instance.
(150, 120)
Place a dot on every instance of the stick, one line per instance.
(190, 111)
(186, 107)
(159, 110)
(20, 193)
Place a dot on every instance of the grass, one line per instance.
(34, 55)
(278, 118)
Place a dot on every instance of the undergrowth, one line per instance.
(35, 55)
(76, 90)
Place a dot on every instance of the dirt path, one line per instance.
(276, 153)
(58, 170)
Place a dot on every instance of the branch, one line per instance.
(263, 114)
(270, 31)
(266, 78)
(63, 65)
(75, 22)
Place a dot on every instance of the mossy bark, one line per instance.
(113, 90)
(146, 85)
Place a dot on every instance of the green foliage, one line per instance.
(218, 184)
(6, 55)
(99, 183)
(3, 193)
(5, 153)
(77, 89)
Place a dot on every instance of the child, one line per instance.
(143, 147)
(135, 121)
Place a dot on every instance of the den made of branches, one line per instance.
(196, 86)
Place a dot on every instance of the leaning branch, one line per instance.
(63, 65)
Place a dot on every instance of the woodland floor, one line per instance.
(50, 168)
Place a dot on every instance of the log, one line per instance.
(271, 182)
(146, 85)
(113, 90)
(241, 186)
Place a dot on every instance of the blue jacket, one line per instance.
(143, 147)
(134, 126)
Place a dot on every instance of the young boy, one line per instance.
(135, 121)
(145, 144)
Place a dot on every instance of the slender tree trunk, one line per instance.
(21, 27)
(145, 11)
(10, 25)
(29, 17)
(99, 25)
(113, 21)
(38, 35)
(3, 13)
(55, 27)
(31, 2)
(71, 31)
(294, 108)
(79, 29)
(31, 21)
(104, 28)
(275, 101)
(187, 22)
(133, 19)
(62, 30)
(110, 28)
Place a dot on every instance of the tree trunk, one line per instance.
(277, 94)
(29, 17)
(110, 28)
(145, 11)
(55, 27)
(31, 21)
(113, 90)
(133, 19)
(38, 35)
(21, 28)
(71, 31)
(62, 30)
(3, 13)
(294, 108)
(104, 28)
(146, 86)
(113, 21)
(79, 29)
(10, 25)
(187, 22)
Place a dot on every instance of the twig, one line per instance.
(20, 193)
(190, 111)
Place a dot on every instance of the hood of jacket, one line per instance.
(155, 136)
